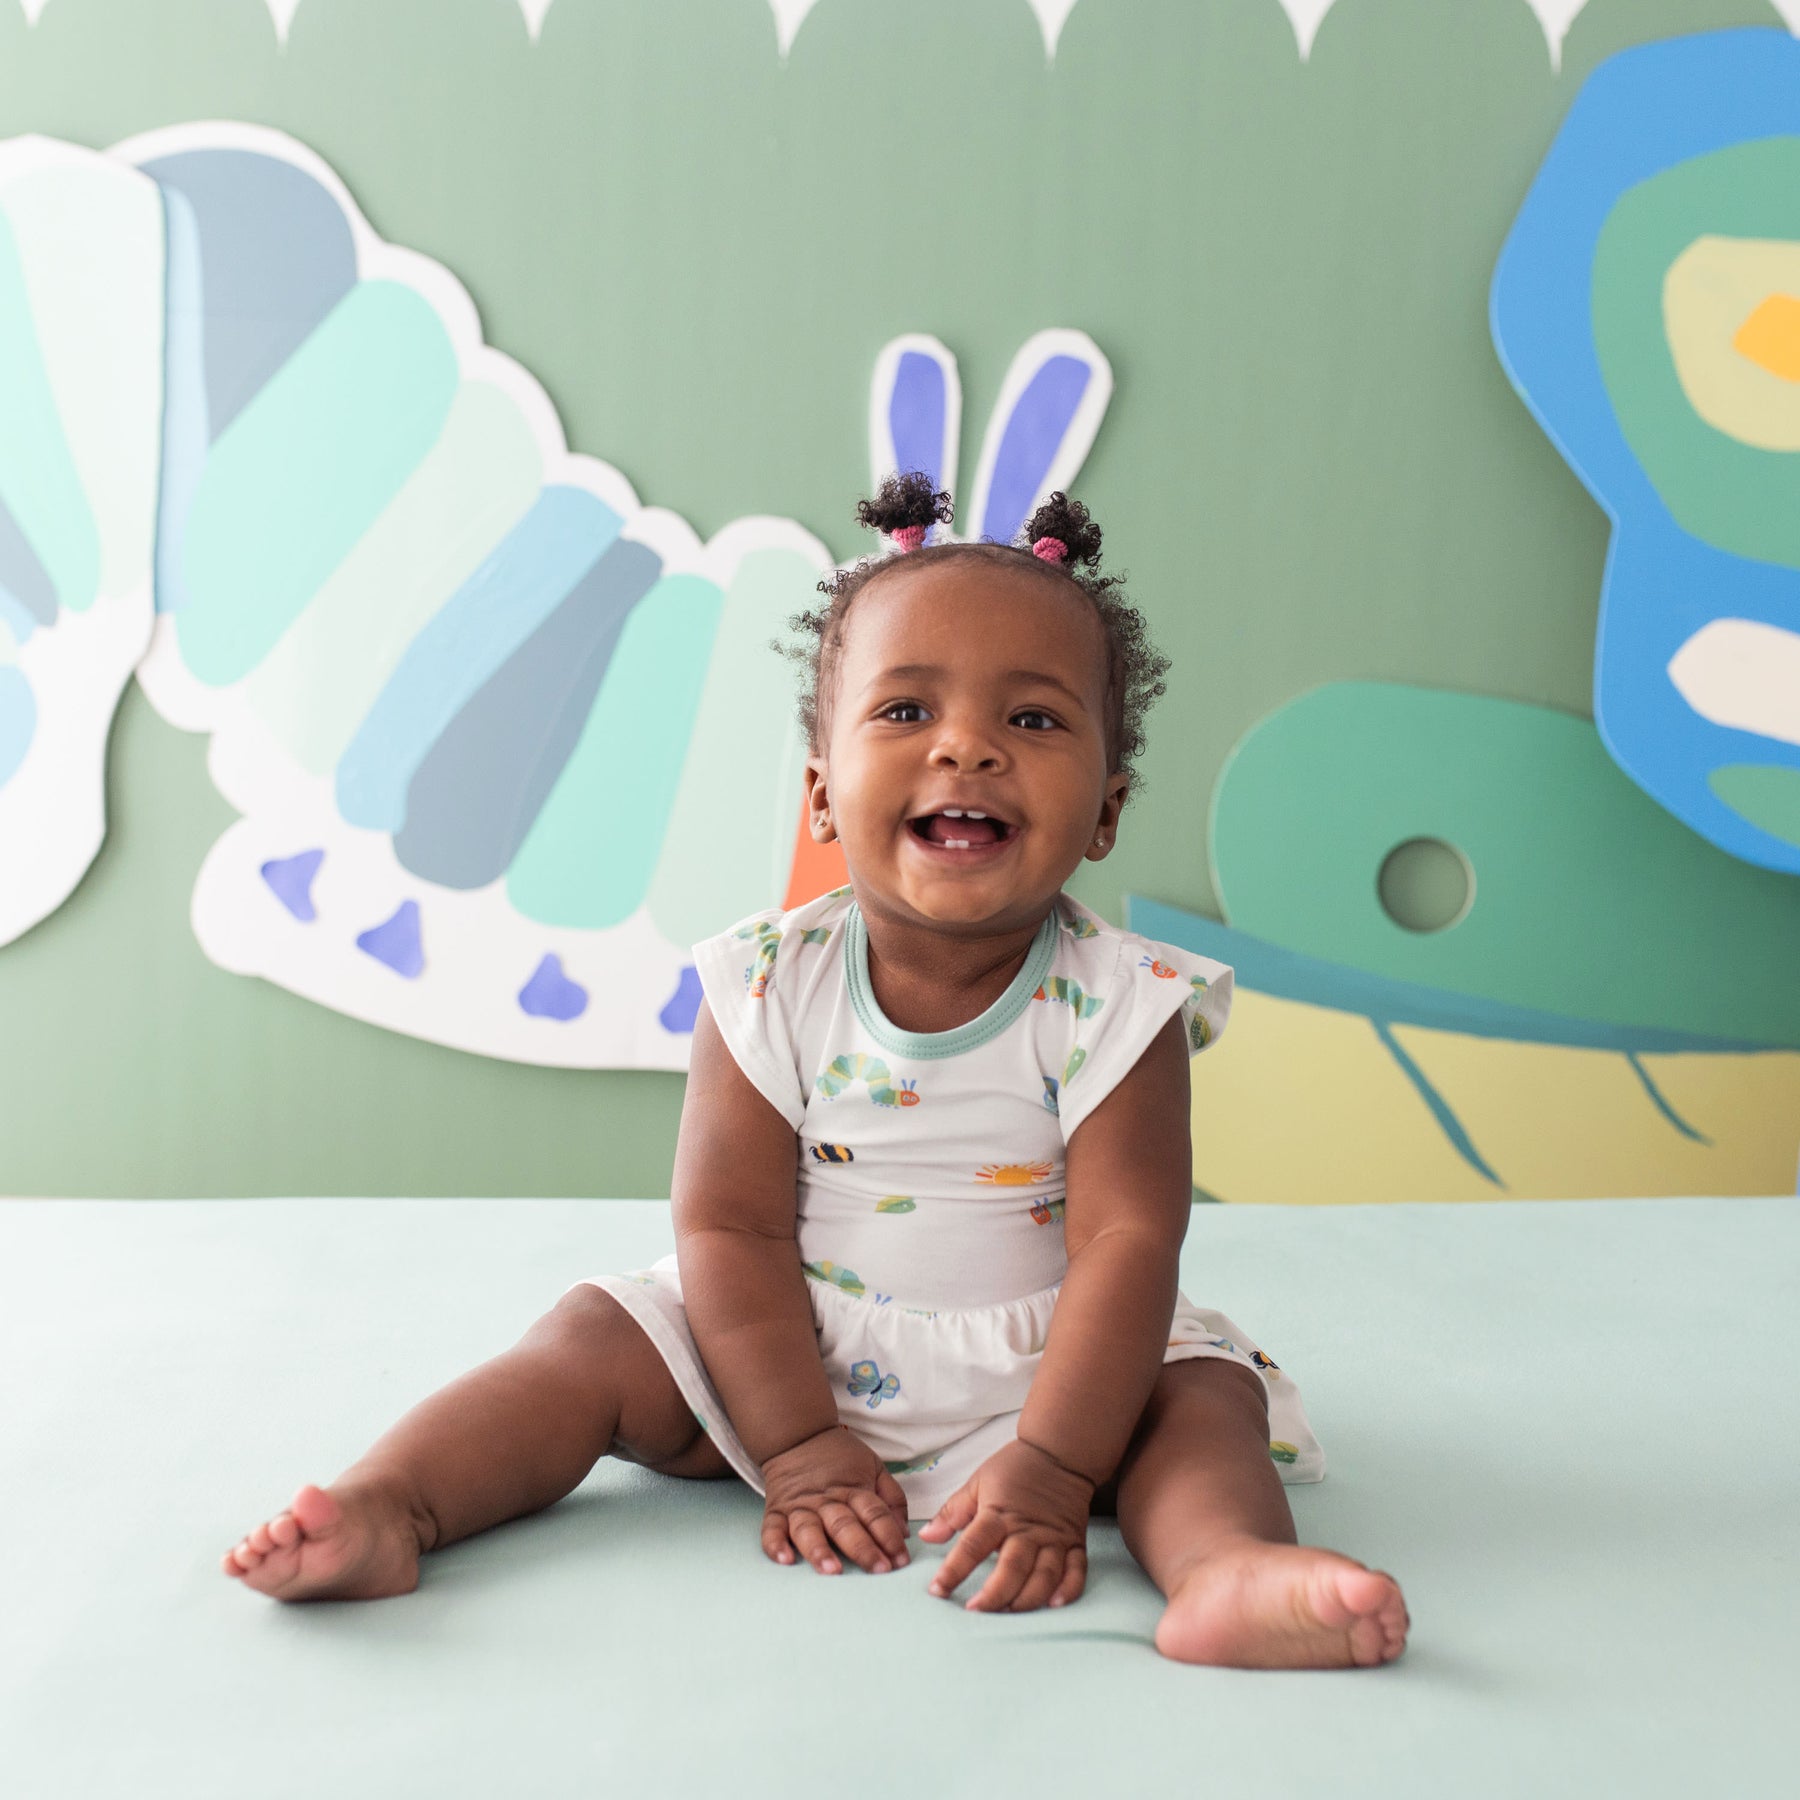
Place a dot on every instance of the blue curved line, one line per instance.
(1662, 1105)
(1440, 1108)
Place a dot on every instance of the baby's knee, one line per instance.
(594, 1338)
(1213, 1382)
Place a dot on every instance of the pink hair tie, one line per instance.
(1050, 549)
(908, 537)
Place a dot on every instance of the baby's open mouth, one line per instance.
(959, 829)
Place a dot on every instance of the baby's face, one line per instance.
(967, 687)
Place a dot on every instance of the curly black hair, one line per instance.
(906, 503)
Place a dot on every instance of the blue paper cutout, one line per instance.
(1040, 420)
(550, 994)
(396, 942)
(1640, 113)
(916, 415)
(290, 879)
(684, 1005)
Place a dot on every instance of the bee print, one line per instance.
(837, 1276)
(1014, 1174)
(897, 1203)
(866, 1378)
(1046, 1212)
(1283, 1453)
(1063, 991)
(1160, 970)
(831, 1153)
(1050, 1091)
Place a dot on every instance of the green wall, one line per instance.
(1313, 468)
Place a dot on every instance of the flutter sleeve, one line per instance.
(1149, 984)
(741, 973)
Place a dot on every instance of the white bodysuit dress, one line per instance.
(930, 1194)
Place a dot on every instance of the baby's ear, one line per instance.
(1042, 427)
(817, 791)
(915, 415)
(1106, 832)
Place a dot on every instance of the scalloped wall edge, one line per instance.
(1306, 16)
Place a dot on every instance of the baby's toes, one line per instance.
(260, 1541)
(1376, 1614)
(245, 1556)
(284, 1532)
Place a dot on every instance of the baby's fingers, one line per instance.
(888, 1532)
(1045, 1577)
(1074, 1580)
(848, 1533)
(968, 1553)
(775, 1541)
(810, 1540)
(949, 1518)
(1020, 1560)
(893, 1493)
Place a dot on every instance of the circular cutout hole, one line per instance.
(1426, 885)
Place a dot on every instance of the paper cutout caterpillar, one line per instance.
(505, 741)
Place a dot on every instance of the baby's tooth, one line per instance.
(950, 812)
(974, 815)
(957, 843)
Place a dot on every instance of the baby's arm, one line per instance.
(1127, 1211)
(1130, 1198)
(747, 1306)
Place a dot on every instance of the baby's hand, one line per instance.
(1034, 1512)
(834, 1489)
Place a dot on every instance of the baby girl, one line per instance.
(932, 1180)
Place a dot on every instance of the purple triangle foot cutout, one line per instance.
(290, 880)
(684, 1006)
(396, 942)
(550, 994)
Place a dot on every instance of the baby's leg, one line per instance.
(1202, 1509)
(508, 1438)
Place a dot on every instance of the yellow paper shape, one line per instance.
(1733, 327)
(1771, 336)
(1558, 1123)
(1304, 1105)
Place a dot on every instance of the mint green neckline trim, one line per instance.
(930, 1045)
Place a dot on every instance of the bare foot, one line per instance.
(354, 1543)
(1253, 1605)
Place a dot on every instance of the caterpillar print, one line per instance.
(768, 942)
(847, 1071)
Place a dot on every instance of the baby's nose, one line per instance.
(965, 748)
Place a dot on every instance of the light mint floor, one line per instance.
(1571, 1430)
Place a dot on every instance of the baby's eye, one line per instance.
(904, 712)
(1034, 720)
